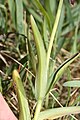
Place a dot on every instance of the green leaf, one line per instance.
(12, 10)
(19, 16)
(40, 7)
(59, 41)
(36, 16)
(24, 113)
(74, 83)
(45, 33)
(41, 76)
(58, 112)
(61, 69)
(32, 57)
(69, 14)
(41, 72)
(53, 6)
(54, 30)
(74, 46)
(68, 26)
(49, 12)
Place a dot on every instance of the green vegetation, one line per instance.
(39, 40)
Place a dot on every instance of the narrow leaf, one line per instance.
(54, 30)
(32, 57)
(58, 112)
(45, 33)
(24, 113)
(59, 41)
(41, 76)
(49, 12)
(40, 7)
(58, 73)
(36, 16)
(12, 10)
(41, 72)
(53, 6)
(74, 83)
(19, 15)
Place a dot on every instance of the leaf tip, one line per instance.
(15, 74)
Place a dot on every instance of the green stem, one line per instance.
(37, 109)
(54, 31)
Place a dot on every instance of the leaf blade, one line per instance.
(19, 16)
(75, 83)
(23, 103)
(58, 112)
(41, 77)
(11, 4)
(58, 73)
